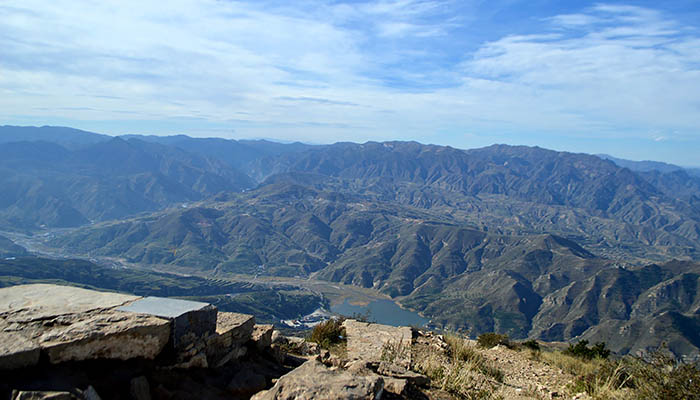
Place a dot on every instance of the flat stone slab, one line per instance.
(313, 380)
(191, 320)
(163, 306)
(368, 342)
(238, 326)
(72, 324)
(105, 335)
(43, 301)
(389, 369)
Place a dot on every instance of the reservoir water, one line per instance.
(381, 311)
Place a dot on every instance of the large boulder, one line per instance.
(108, 335)
(191, 321)
(314, 380)
(72, 324)
(262, 336)
(233, 330)
(374, 342)
(16, 351)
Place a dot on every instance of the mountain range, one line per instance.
(519, 240)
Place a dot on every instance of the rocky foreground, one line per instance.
(59, 342)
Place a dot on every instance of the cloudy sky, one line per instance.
(621, 78)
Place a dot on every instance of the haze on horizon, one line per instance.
(621, 78)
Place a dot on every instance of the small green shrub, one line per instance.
(491, 339)
(531, 344)
(581, 350)
(328, 333)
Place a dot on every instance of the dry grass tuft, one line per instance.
(395, 352)
(461, 370)
(656, 377)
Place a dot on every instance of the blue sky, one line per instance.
(621, 78)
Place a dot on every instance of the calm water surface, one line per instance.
(382, 311)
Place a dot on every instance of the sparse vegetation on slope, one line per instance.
(468, 370)
(654, 376)
(460, 370)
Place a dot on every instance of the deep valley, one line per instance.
(519, 240)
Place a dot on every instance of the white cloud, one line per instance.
(634, 70)
(574, 20)
(347, 71)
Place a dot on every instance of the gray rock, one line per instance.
(313, 380)
(233, 330)
(399, 372)
(399, 387)
(198, 360)
(262, 336)
(139, 389)
(191, 320)
(372, 342)
(73, 324)
(278, 337)
(16, 351)
(303, 347)
(278, 353)
(26, 303)
(107, 335)
(238, 327)
(354, 366)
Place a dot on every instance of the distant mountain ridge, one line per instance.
(521, 240)
(573, 195)
(67, 137)
(49, 185)
(646, 165)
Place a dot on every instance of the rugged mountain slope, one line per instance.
(610, 210)
(536, 285)
(516, 189)
(46, 184)
(520, 240)
(656, 301)
(517, 172)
